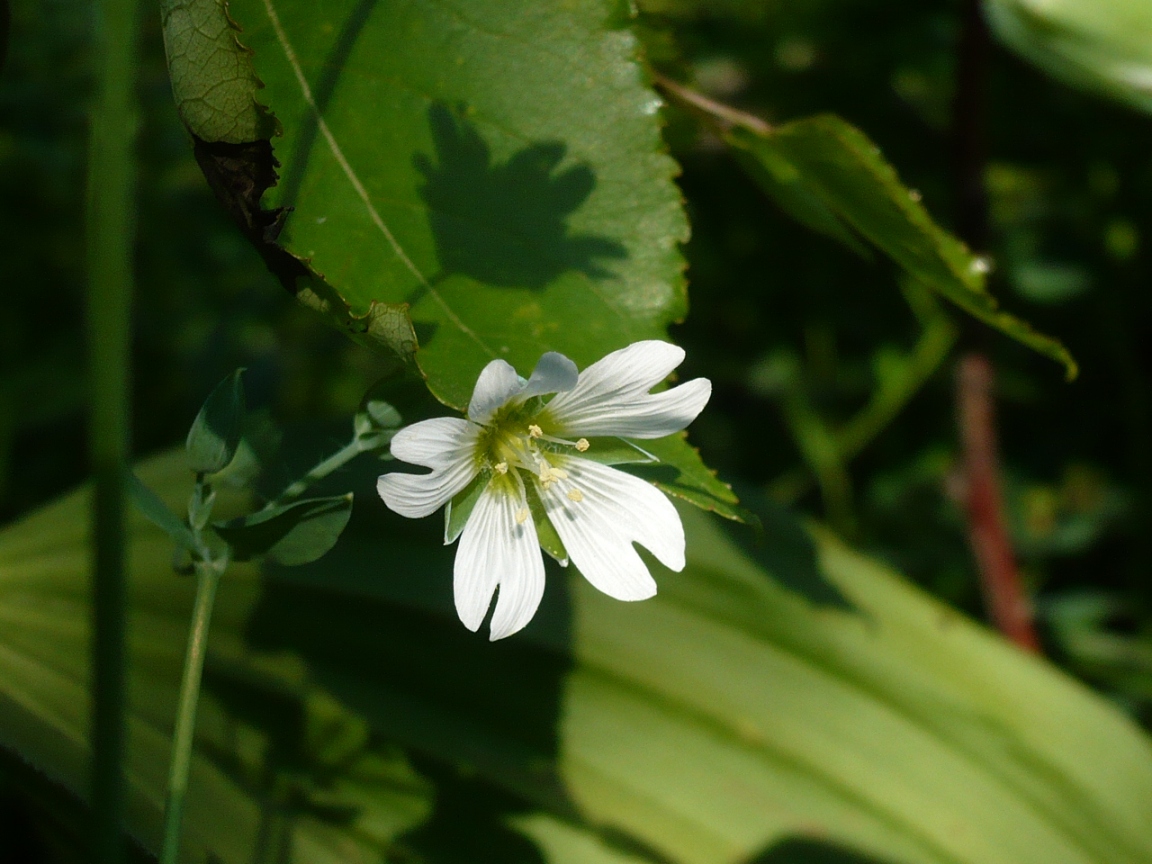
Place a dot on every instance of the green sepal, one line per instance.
(546, 534)
(614, 451)
(461, 506)
(215, 433)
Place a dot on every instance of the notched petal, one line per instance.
(599, 512)
(499, 549)
(555, 373)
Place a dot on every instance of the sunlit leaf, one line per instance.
(511, 220)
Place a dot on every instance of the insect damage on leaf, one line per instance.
(239, 175)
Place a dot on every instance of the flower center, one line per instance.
(513, 441)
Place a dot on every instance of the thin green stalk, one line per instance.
(110, 219)
(358, 445)
(207, 577)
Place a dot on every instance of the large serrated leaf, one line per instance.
(828, 175)
(513, 219)
(727, 719)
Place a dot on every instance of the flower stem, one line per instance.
(207, 577)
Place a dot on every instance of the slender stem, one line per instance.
(207, 577)
(710, 107)
(889, 399)
(109, 240)
(329, 465)
(1003, 592)
(1007, 603)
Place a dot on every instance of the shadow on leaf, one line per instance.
(375, 623)
(506, 224)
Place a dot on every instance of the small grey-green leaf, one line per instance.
(383, 414)
(213, 81)
(215, 433)
(292, 534)
(158, 514)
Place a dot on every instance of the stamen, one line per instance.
(535, 431)
(582, 445)
(501, 467)
(522, 516)
(575, 495)
(559, 473)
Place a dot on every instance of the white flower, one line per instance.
(530, 469)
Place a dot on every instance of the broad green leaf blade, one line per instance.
(212, 77)
(830, 176)
(45, 603)
(291, 534)
(727, 719)
(149, 503)
(216, 431)
(497, 166)
(1102, 45)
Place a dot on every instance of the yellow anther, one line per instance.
(522, 516)
(575, 495)
(559, 474)
(535, 431)
(582, 445)
(501, 467)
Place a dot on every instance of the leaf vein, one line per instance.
(354, 179)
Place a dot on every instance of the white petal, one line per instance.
(554, 373)
(494, 550)
(651, 415)
(498, 382)
(435, 443)
(615, 509)
(612, 398)
(447, 446)
(420, 495)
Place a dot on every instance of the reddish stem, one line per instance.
(1004, 595)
